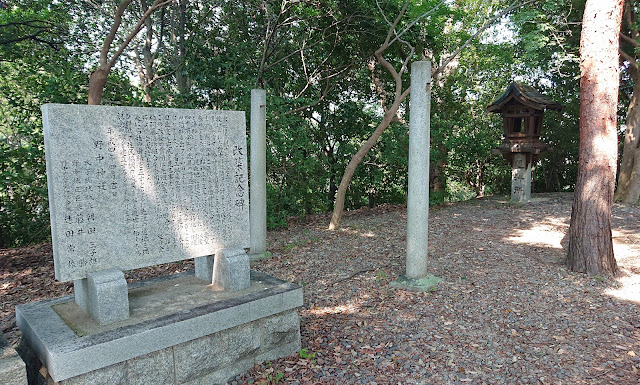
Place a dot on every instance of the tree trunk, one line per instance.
(179, 28)
(629, 178)
(338, 206)
(590, 242)
(149, 72)
(97, 82)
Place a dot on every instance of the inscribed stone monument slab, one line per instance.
(133, 187)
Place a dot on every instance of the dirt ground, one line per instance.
(507, 312)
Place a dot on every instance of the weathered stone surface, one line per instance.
(211, 359)
(521, 179)
(204, 268)
(12, 368)
(231, 269)
(68, 355)
(418, 178)
(280, 330)
(240, 343)
(258, 192)
(133, 187)
(153, 368)
(417, 285)
(197, 358)
(111, 375)
(108, 297)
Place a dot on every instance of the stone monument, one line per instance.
(135, 187)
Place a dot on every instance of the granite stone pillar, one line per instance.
(258, 175)
(417, 277)
(418, 196)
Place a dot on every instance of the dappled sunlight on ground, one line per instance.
(340, 309)
(626, 248)
(629, 289)
(507, 312)
(548, 233)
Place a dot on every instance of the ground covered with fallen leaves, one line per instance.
(507, 312)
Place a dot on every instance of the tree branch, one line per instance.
(117, 20)
(629, 40)
(156, 4)
(482, 29)
(415, 21)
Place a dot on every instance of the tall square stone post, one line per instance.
(258, 175)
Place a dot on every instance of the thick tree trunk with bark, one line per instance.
(590, 242)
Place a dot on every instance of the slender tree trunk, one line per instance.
(98, 78)
(97, 82)
(399, 95)
(179, 22)
(590, 242)
(629, 178)
(338, 206)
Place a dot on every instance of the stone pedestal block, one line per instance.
(521, 179)
(204, 268)
(103, 294)
(180, 332)
(231, 270)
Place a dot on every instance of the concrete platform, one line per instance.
(178, 317)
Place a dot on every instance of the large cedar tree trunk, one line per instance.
(590, 241)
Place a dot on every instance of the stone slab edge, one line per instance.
(12, 368)
(416, 284)
(66, 355)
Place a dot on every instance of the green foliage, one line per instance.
(313, 59)
(305, 354)
(35, 72)
(29, 79)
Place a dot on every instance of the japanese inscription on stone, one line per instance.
(134, 187)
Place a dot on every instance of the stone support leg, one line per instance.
(104, 295)
(231, 269)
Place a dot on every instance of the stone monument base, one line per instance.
(181, 331)
(12, 370)
(415, 284)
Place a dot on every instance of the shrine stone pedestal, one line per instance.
(520, 178)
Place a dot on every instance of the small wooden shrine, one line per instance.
(522, 108)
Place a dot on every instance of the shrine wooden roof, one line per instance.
(526, 95)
